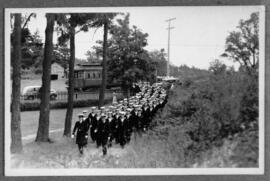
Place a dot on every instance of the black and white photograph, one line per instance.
(162, 90)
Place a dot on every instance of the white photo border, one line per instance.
(129, 171)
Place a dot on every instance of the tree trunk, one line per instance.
(16, 139)
(68, 120)
(104, 64)
(254, 60)
(43, 125)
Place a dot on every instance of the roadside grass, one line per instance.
(63, 153)
(218, 157)
(146, 151)
(29, 120)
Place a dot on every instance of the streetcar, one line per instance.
(88, 76)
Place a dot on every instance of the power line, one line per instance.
(169, 32)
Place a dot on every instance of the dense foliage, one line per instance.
(205, 113)
(128, 61)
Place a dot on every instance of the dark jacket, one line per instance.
(111, 126)
(103, 131)
(81, 129)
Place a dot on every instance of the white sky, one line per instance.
(198, 36)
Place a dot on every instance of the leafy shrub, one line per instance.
(38, 71)
(210, 111)
(247, 149)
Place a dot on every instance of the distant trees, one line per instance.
(43, 125)
(16, 140)
(92, 56)
(217, 67)
(159, 57)
(128, 61)
(242, 45)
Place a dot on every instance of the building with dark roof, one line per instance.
(87, 75)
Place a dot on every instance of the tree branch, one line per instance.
(27, 20)
(81, 29)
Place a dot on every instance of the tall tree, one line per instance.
(67, 25)
(31, 43)
(43, 125)
(68, 120)
(105, 20)
(104, 64)
(242, 46)
(16, 140)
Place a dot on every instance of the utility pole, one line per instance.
(169, 31)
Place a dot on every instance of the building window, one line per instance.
(76, 75)
(80, 75)
(94, 75)
(89, 76)
(98, 75)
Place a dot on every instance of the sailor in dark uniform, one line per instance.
(129, 125)
(116, 118)
(111, 127)
(85, 118)
(92, 122)
(140, 121)
(163, 101)
(122, 128)
(103, 133)
(96, 133)
(135, 88)
(154, 107)
(146, 116)
(84, 114)
(134, 118)
(81, 131)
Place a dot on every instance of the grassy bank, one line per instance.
(211, 122)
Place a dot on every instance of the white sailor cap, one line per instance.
(122, 112)
(80, 115)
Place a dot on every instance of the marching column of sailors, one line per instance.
(119, 121)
